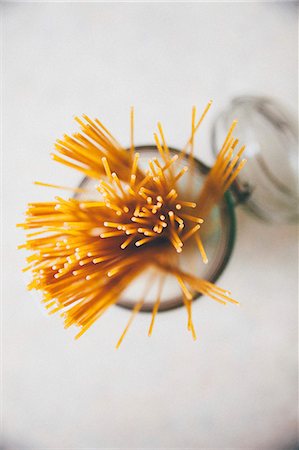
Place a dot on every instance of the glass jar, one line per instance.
(268, 185)
(217, 233)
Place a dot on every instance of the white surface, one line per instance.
(236, 386)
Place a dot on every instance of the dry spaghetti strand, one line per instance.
(156, 305)
(135, 311)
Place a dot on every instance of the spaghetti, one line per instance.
(85, 253)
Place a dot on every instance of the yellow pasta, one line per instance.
(85, 253)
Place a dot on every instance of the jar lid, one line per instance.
(268, 184)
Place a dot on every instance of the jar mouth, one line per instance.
(218, 238)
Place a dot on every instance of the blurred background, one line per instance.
(236, 386)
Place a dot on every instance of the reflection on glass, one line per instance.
(269, 182)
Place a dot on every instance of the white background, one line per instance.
(236, 386)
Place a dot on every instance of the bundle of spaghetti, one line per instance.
(190, 283)
(84, 151)
(225, 170)
(79, 273)
(86, 253)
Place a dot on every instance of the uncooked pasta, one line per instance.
(86, 252)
